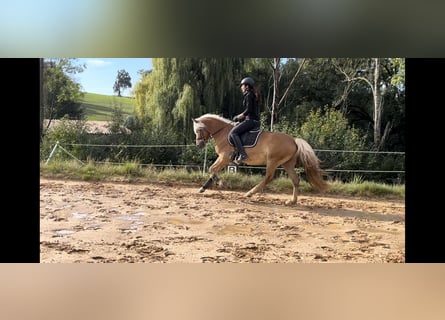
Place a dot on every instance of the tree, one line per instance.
(117, 120)
(42, 108)
(60, 91)
(276, 75)
(277, 98)
(123, 81)
(180, 88)
(370, 71)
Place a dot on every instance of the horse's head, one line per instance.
(202, 133)
(208, 126)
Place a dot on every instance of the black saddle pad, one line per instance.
(249, 138)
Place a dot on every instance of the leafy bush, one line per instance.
(328, 129)
(67, 132)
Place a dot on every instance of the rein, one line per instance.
(211, 135)
(220, 129)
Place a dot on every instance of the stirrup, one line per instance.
(241, 158)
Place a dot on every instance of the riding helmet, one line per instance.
(249, 81)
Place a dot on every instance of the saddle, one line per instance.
(248, 138)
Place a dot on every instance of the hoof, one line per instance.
(248, 194)
(201, 190)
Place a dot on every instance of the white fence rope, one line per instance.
(205, 156)
(193, 145)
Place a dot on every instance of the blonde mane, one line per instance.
(200, 124)
(213, 116)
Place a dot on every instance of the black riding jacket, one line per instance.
(251, 106)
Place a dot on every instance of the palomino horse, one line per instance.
(273, 149)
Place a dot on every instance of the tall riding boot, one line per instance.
(239, 146)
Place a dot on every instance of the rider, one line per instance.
(250, 115)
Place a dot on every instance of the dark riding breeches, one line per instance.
(244, 126)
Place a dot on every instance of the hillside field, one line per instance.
(99, 107)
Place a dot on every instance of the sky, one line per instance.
(100, 73)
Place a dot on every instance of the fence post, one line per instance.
(54, 149)
(205, 161)
(52, 152)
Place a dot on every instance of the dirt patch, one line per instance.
(102, 127)
(156, 223)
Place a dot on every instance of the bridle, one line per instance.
(210, 135)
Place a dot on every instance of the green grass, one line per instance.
(135, 172)
(99, 107)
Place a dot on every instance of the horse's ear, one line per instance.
(194, 120)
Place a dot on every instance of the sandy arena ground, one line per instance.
(97, 222)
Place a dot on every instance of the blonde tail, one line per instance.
(307, 157)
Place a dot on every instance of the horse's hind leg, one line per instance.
(290, 169)
(270, 171)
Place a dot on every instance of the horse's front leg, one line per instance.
(212, 179)
(214, 169)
